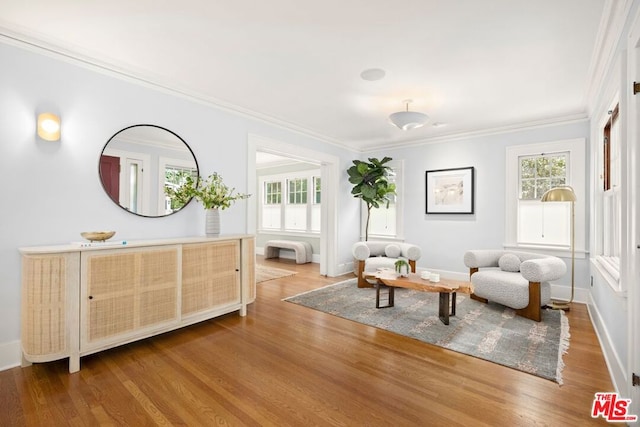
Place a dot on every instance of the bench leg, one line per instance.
(271, 252)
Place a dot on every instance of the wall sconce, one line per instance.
(49, 126)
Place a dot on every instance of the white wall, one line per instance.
(611, 309)
(445, 238)
(51, 190)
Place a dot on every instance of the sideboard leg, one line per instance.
(243, 310)
(24, 362)
(74, 364)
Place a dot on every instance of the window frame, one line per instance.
(609, 266)
(575, 178)
(285, 178)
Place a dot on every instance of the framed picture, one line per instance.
(450, 191)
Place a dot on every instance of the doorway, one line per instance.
(329, 177)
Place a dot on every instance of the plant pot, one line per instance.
(212, 223)
(403, 270)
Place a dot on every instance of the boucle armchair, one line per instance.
(371, 255)
(519, 280)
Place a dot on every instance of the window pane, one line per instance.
(615, 154)
(298, 191)
(316, 190)
(295, 217)
(611, 217)
(272, 195)
(174, 177)
(527, 168)
(528, 191)
(315, 218)
(541, 173)
(543, 168)
(544, 223)
(271, 216)
(382, 221)
(133, 187)
(558, 166)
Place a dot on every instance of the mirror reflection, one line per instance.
(138, 162)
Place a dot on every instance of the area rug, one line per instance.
(488, 331)
(264, 273)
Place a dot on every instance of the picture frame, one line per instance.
(450, 191)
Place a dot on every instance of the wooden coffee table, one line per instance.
(446, 288)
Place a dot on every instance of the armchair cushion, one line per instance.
(392, 251)
(365, 250)
(509, 262)
(507, 288)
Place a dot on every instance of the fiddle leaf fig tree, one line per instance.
(371, 184)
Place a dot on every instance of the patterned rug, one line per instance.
(264, 273)
(488, 331)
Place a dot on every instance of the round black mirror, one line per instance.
(138, 162)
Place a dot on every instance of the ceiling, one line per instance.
(471, 65)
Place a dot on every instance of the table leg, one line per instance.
(453, 303)
(443, 307)
(390, 296)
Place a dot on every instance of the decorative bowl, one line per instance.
(97, 236)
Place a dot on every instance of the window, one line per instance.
(295, 214)
(297, 191)
(298, 209)
(176, 176)
(386, 223)
(611, 204)
(542, 223)
(530, 171)
(317, 193)
(272, 193)
(271, 206)
(609, 211)
(316, 206)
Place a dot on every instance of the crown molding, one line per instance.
(36, 43)
(610, 30)
(515, 127)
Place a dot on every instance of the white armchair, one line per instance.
(519, 280)
(371, 255)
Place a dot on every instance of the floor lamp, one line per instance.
(565, 193)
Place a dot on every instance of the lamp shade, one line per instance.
(407, 120)
(563, 193)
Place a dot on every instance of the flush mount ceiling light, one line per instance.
(407, 120)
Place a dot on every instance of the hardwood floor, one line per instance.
(284, 364)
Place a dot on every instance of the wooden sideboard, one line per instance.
(79, 300)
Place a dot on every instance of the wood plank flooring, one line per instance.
(286, 365)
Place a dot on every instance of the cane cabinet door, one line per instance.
(128, 293)
(48, 281)
(210, 276)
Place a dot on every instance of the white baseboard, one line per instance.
(615, 366)
(563, 293)
(345, 268)
(10, 355)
